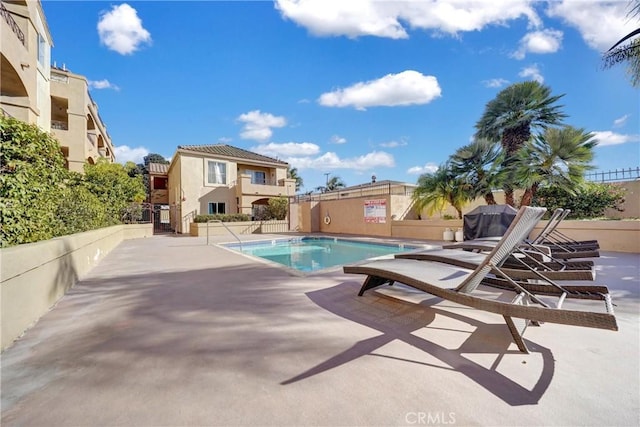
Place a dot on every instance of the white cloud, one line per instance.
(419, 170)
(126, 154)
(607, 137)
(495, 83)
(543, 41)
(355, 18)
(121, 30)
(331, 160)
(405, 88)
(532, 72)
(102, 84)
(257, 125)
(287, 149)
(337, 139)
(393, 144)
(601, 23)
(621, 121)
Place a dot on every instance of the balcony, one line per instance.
(284, 187)
(59, 125)
(12, 24)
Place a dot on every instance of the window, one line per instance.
(216, 172)
(159, 183)
(216, 208)
(257, 177)
(42, 47)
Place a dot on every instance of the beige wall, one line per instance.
(35, 275)
(616, 236)
(25, 82)
(631, 205)
(242, 227)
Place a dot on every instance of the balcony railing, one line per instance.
(93, 139)
(12, 23)
(59, 125)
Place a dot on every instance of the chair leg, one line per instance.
(373, 282)
(516, 334)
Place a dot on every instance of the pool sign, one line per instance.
(375, 211)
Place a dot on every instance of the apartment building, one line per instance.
(26, 54)
(55, 99)
(211, 179)
(75, 121)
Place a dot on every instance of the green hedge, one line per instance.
(223, 217)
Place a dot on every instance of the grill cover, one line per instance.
(488, 221)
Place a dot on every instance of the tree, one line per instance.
(512, 115)
(558, 158)
(32, 177)
(154, 158)
(278, 208)
(292, 173)
(627, 49)
(437, 189)
(112, 185)
(335, 183)
(479, 164)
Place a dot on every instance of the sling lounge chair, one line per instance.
(457, 285)
(545, 241)
(521, 265)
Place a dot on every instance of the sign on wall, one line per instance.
(375, 211)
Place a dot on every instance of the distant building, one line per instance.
(212, 179)
(75, 121)
(53, 98)
(158, 183)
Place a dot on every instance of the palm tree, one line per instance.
(559, 158)
(511, 116)
(335, 183)
(479, 164)
(292, 173)
(629, 52)
(437, 189)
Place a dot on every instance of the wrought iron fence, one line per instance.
(629, 174)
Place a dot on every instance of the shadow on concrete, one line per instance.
(397, 319)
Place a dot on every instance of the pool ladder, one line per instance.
(225, 226)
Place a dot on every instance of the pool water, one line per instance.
(308, 254)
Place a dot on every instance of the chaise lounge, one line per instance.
(458, 285)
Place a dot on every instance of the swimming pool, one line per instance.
(308, 254)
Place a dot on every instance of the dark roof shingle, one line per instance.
(230, 151)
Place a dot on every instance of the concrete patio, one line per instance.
(167, 331)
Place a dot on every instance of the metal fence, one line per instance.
(629, 174)
(367, 190)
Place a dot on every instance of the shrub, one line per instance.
(239, 217)
(591, 200)
(32, 176)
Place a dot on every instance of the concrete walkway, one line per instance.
(167, 331)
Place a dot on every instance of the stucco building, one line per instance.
(53, 98)
(210, 179)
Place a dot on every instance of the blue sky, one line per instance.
(351, 88)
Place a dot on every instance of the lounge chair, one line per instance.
(458, 285)
(547, 241)
(522, 265)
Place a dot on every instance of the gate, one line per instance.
(162, 218)
(146, 213)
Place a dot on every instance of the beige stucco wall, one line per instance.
(34, 276)
(617, 236)
(242, 227)
(347, 217)
(631, 205)
(23, 59)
